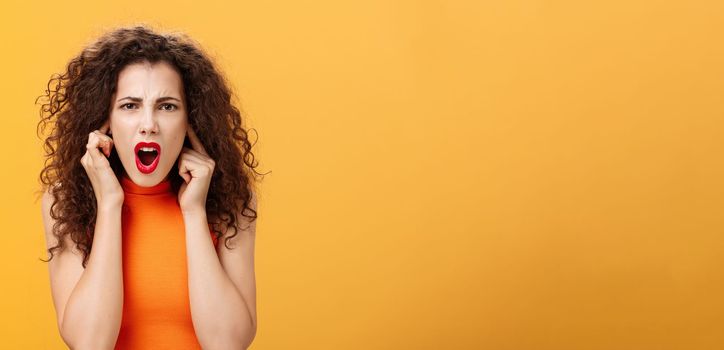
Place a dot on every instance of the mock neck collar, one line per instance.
(131, 187)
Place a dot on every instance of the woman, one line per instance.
(149, 165)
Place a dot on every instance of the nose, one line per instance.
(148, 123)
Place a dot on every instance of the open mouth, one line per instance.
(147, 156)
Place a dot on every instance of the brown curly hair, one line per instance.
(78, 101)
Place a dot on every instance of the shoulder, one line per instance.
(246, 225)
(47, 201)
(46, 204)
(243, 213)
(47, 197)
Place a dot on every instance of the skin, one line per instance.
(221, 281)
(159, 116)
(164, 122)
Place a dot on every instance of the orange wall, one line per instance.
(445, 174)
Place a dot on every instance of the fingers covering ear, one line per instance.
(106, 126)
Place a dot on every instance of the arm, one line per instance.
(221, 285)
(88, 302)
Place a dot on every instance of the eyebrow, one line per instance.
(138, 99)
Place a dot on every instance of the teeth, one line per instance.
(147, 149)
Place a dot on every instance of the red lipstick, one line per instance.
(147, 169)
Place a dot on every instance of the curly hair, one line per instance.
(78, 101)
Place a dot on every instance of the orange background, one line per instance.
(445, 174)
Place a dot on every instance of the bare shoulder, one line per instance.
(65, 268)
(48, 221)
(253, 204)
(45, 204)
(247, 226)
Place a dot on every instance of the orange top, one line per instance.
(156, 309)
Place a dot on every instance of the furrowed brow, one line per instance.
(138, 99)
(166, 98)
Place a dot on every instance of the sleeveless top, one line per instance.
(156, 308)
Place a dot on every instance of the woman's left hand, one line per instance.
(195, 167)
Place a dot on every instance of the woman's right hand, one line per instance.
(105, 184)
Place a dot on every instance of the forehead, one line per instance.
(149, 79)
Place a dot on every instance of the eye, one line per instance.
(169, 104)
(126, 104)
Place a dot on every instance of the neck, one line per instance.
(125, 174)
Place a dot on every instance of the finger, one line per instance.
(105, 142)
(102, 141)
(195, 142)
(197, 156)
(92, 148)
(106, 125)
(191, 163)
(194, 166)
(84, 160)
(184, 171)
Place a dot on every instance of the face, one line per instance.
(148, 106)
